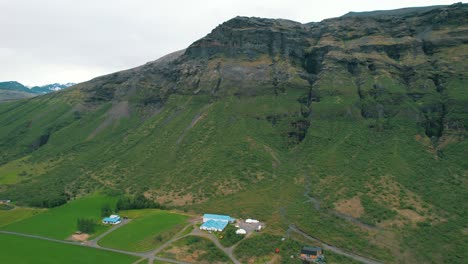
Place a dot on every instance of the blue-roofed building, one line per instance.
(213, 225)
(214, 222)
(112, 220)
(216, 217)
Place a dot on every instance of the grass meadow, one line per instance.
(60, 222)
(21, 250)
(148, 229)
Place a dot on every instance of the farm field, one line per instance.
(148, 229)
(10, 216)
(47, 252)
(60, 222)
(195, 250)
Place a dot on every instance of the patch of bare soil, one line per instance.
(175, 198)
(79, 237)
(186, 254)
(394, 196)
(425, 141)
(352, 207)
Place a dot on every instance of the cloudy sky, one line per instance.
(46, 41)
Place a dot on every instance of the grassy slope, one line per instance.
(13, 248)
(245, 147)
(60, 222)
(146, 231)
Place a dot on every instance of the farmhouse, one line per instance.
(112, 220)
(5, 201)
(312, 254)
(214, 222)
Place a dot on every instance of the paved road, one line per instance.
(335, 249)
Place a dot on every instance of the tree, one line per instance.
(86, 225)
(106, 210)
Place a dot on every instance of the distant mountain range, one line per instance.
(13, 90)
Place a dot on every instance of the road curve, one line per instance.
(227, 251)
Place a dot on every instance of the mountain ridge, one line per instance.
(12, 90)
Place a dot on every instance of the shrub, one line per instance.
(86, 225)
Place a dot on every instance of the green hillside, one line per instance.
(352, 129)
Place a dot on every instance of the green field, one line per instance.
(60, 222)
(10, 216)
(195, 249)
(13, 249)
(148, 229)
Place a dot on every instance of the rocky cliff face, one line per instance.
(389, 61)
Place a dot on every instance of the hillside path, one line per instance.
(335, 249)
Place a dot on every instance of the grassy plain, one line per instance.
(22, 250)
(60, 222)
(10, 216)
(147, 229)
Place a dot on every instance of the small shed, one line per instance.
(311, 254)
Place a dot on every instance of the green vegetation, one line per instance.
(60, 222)
(18, 249)
(195, 249)
(147, 229)
(375, 213)
(106, 210)
(86, 225)
(260, 248)
(137, 202)
(6, 207)
(20, 213)
(229, 236)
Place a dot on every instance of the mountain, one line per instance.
(11, 91)
(50, 88)
(351, 129)
(13, 86)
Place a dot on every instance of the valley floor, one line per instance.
(147, 236)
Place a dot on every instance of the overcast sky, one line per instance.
(46, 41)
